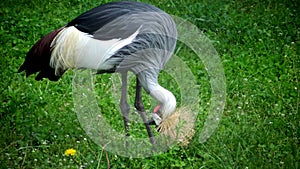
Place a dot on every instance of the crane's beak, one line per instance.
(155, 120)
(151, 122)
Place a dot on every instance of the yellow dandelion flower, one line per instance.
(70, 151)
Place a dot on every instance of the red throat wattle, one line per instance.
(156, 109)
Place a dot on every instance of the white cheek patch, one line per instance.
(156, 119)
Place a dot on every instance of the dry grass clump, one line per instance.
(179, 127)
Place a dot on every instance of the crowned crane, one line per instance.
(114, 37)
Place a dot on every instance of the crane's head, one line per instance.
(175, 124)
(167, 104)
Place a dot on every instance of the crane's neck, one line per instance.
(167, 101)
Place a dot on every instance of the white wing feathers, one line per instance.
(72, 48)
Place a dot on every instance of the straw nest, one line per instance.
(179, 127)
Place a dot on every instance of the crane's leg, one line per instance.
(125, 108)
(140, 107)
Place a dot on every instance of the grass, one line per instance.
(258, 43)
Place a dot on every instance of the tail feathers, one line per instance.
(38, 59)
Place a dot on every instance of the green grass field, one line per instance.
(258, 43)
